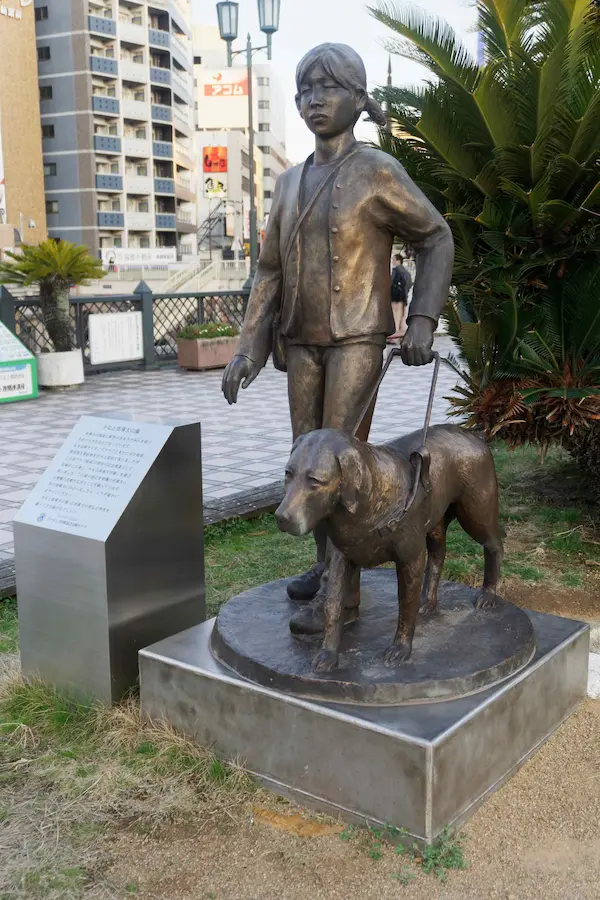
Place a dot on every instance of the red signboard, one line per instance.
(215, 159)
(220, 88)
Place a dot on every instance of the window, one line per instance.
(245, 160)
(144, 243)
(264, 104)
(267, 173)
(137, 20)
(43, 53)
(265, 150)
(41, 13)
(268, 195)
(142, 170)
(45, 92)
(143, 206)
(116, 206)
(245, 185)
(139, 96)
(111, 92)
(49, 169)
(113, 129)
(264, 81)
(138, 57)
(264, 126)
(47, 131)
(114, 168)
(118, 242)
(51, 207)
(109, 53)
(140, 134)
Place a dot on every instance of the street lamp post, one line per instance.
(268, 16)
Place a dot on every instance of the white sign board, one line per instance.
(18, 370)
(115, 337)
(11, 347)
(119, 256)
(87, 486)
(215, 186)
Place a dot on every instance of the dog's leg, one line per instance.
(342, 578)
(436, 554)
(493, 553)
(410, 578)
(486, 531)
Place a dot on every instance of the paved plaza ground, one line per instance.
(243, 446)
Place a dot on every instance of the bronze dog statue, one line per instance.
(358, 491)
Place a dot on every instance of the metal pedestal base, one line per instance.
(421, 767)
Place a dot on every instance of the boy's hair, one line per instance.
(344, 66)
(398, 257)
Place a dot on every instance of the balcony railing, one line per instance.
(161, 113)
(163, 149)
(109, 182)
(164, 186)
(159, 38)
(184, 216)
(166, 221)
(160, 76)
(111, 220)
(103, 65)
(102, 26)
(105, 105)
(107, 144)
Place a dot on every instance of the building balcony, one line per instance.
(132, 71)
(103, 65)
(181, 53)
(182, 120)
(140, 221)
(133, 34)
(182, 87)
(182, 156)
(160, 76)
(111, 220)
(164, 186)
(183, 191)
(135, 109)
(158, 38)
(107, 105)
(162, 149)
(138, 184)
(184, 224)
(107, 144)
(137, 147)
(109, 182)
(166, 221)
(162, 113)
(99, 25)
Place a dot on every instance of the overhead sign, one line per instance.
(119, 256)
(18, 369)
(215, 187)
(224, 84)
(215, 159)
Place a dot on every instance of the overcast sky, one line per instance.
(305, 23)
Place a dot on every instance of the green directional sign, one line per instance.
(18, 369)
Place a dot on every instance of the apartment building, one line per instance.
(117, 113)
(22, 211)
(271, 129)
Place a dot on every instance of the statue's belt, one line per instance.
(419, 458)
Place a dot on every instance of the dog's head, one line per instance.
(325, 469)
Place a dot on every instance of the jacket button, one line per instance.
(335, 230)
(336, 259)
(339, 187)
(336, 205)
(337, 288)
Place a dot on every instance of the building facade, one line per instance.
(22, 204)
(117, 114)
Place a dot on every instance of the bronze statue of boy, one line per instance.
(321, 296)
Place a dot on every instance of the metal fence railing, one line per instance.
(163, 316)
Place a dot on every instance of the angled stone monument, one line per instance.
(109, 552)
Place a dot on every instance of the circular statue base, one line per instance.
(458, 651)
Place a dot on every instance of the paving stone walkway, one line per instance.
(243, 446)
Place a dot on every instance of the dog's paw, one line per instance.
(397, 653)
(325, 661)
(486, 600)
(429, 608)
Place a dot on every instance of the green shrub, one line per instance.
(206, 332)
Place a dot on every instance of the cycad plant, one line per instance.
(53, 266)
(509, 151)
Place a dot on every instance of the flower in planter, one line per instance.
(207, 332)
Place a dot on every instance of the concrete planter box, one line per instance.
(60, 370)
(208, 353)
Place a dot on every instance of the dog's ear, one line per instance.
(353, 477)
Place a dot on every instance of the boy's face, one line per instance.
(327, 108)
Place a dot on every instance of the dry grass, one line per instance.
(70, 775)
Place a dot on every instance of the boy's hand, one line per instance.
(240, 368)
(416, 349)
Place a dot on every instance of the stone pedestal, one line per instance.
(421, 766)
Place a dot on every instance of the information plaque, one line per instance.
(109, 552)
(18, 369)
(115, 337)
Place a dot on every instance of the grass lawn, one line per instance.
(75, 779)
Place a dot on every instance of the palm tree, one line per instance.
(509, 151)
(54, 266)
